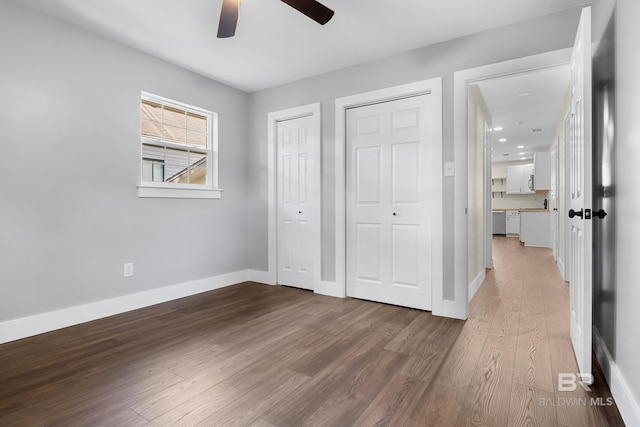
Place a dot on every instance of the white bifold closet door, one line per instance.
(389, 202)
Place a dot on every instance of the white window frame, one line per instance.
(209, 190)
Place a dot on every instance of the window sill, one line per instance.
(178, 193)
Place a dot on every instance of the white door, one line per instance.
(487, 196)
(581, 195)
(389, 201)
(298, 188)
(553, 201)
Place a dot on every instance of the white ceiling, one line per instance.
(521, 103)
(275, 44)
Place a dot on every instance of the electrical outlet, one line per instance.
(128, 269)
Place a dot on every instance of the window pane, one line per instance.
(149, 128)
(152, 152)
(151, 111)
(158, 172)
(147, 170)
(198, 168)
(169, 132)
(175, 134)
(174, 117)
(176, 166)
(197, 138)
(196, 122)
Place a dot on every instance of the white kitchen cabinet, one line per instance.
(542, 171)
(514, 179)
(535, 228)
(520, 179)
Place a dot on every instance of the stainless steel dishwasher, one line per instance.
(499, 222)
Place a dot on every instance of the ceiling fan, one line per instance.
(231, 10)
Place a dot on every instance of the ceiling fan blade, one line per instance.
(228, 19)
(314, 10)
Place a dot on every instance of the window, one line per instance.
(178, 149)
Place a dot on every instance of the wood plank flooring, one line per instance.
(263, 356)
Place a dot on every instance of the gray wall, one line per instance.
(69, 164)
(627, 213)
(531, 37)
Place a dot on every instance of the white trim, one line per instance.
(459, 307)
(561, 268)
(184, 191)
(487, 212)
(434, 87)
(15, 329)
(476, 283)
(627, 404)
(330, 289)
(260, 276)
(272, 119)
(178, 193)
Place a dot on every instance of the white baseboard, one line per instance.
(330, 289)
(561, 268)
(625, 400)
(627, 403)
(262, 277)
(475, 284)
(15, 329)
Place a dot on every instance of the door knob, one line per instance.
(299, 212)
(573, 213)
(394, 214)
(600, 214)
(555, 209)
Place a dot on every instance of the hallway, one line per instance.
(523, 308)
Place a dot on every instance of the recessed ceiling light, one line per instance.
(521, 154)
(497, 129)
(520, 146)
(523, 158)
(525, 93)
(502, 140)
(520, 122)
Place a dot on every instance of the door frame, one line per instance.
(555, 214)
(272, 178)
(487, 143)
(432, 87)
(462, 80)
(565, 267)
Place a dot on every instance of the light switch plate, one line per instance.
(128, 269)
(449, 169)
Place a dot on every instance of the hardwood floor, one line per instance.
(257, 355)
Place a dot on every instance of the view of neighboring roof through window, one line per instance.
(178, 144)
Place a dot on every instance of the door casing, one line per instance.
(315, 241)
(462, 80)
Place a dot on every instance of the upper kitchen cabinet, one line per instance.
(520, 179)
(542, 171)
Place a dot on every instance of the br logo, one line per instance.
(569, 381)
